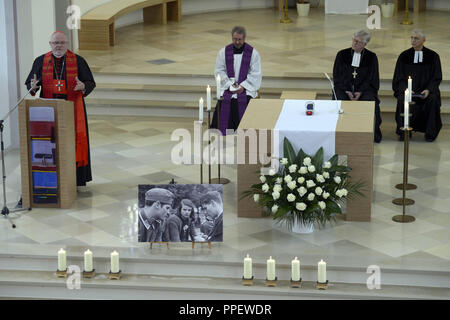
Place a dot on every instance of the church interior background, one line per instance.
(148, 85)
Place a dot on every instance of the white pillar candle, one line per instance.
(406, 116)
(62, 260)
(409, 89)
(248, 273)
(208, 98)
(218, 81)
(115, 262)
(406, 95)
(200, 109)
(271, 269)
(88, 263)
(321, 271)
(295, 276)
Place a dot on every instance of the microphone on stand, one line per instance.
(334, 93)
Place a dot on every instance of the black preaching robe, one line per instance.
(426, 113)
(367, 80)
(84, 174)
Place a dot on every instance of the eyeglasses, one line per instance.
(57, 43)
(357, 41)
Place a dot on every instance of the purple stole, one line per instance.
(242, 97)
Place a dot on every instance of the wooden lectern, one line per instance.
(47, 153)
(354, 138)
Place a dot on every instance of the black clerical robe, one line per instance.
(426, 113)
(364, 79)
(84, 173)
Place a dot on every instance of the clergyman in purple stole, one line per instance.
(225, 106)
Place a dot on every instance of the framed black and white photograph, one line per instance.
(180, 213)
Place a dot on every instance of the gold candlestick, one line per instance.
(219, 180)
(286, 17)
(407, 21)
(404, 201)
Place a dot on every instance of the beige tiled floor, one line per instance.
(308, 45)
(106, 216)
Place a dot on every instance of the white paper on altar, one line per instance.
(309, 132)
(346, 6)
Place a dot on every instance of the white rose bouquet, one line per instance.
(306, 188)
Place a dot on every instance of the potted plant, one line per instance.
(303, 7)
(304, 190)
(387, 9)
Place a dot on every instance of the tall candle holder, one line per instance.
(219, 180)
(209, 146)
(404, 201)
(406, 186)
(286, 18)
(201, 151)
(406, 21)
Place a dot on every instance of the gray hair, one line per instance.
(363, 34)
(239, 30)
(419, 32)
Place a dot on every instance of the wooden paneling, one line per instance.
(97, 26)
(298, 95)
(65, 138)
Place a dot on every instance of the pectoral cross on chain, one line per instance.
(354, 74)
(59, 85)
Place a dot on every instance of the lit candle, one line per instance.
(248, 273)
(62, 260)
(322, 271)
(218, 81)
(208, 98)
(406, 115)
(295, 269)
(409, 89)
(200, 109)
(114, 262)
(271, 269)
(88, 265)
(407, 95)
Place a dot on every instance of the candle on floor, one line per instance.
(271, 269)
(409, 89)
(248, 273)
(321, 271)
(62, 260)
(295, 276)
(114, 262)
(218, 81)
(208, 98)
(88, 263)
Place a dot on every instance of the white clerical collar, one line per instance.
(356, 59)
(418, 56)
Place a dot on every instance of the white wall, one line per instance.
(8, 74)
(35, 24)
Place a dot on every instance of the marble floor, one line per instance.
(127, 151)
(308, 45)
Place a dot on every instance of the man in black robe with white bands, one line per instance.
(424, 67)
(356, 76)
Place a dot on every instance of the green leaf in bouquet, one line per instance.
(300, 156)
(289, 152)
(317, 160)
